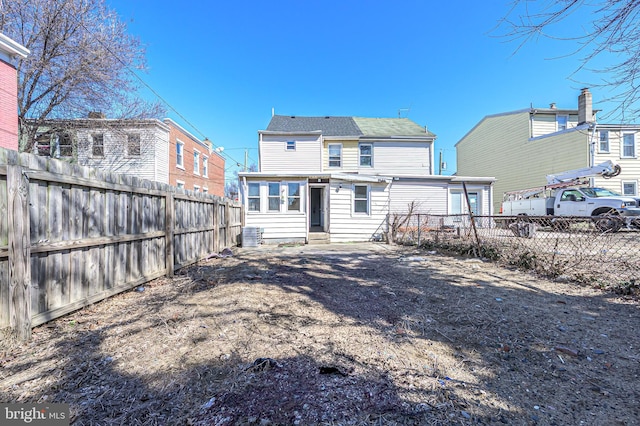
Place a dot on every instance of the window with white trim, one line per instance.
(180, 184)
(335, 155)
(562, 120)
(293, 196)
(361, 199)
(253, 197)
(629, 187)
(196, 163)
(196, 188)
(133, 145)
(180, 154)
(291, 145)
(205, 166)
(628, 145)
(97, 146)
(205, 190)
(273, 196)
(365, 151)
(604, 141)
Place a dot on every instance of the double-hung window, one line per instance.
(253, 197)
(180, 154)
(133, 145)
(366, 155)
(563, 120)
(293, 197)
(604, 141)
(205, 166)
(97, 144)
(291, 145)
(335, 155)
(630, 187)
(196, 162)
(361, 199)
(274, 196)
(628, 145)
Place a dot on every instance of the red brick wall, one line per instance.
(215, 180)
(8, 106)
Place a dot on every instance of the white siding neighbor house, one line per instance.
(338, 178)
(520, 148)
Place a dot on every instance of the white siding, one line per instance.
(151, 164)
(279, 227)
(306, 158)
(402, 158)
(630, 166)
(430, 197)
(346, 226)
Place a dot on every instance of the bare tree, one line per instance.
(81, 60)
(231, 189)
(611, 34)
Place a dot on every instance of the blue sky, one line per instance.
(223, 66)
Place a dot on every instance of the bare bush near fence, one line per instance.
(570, 248)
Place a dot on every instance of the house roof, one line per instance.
(348, 126)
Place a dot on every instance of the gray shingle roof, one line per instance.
(330, 126)
(348, 126)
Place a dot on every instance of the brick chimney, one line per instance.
(585, 107)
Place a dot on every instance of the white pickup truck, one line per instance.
(609, 210)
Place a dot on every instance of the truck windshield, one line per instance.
(599, 192)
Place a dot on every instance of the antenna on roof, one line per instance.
(400, 110)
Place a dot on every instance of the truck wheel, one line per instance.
(607, 222)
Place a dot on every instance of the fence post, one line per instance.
(169, 210)
(473, 221)
(19, 223)
(227, 220)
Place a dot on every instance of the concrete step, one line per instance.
(319, 238)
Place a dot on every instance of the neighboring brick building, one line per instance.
(193, 164)
(10, 52)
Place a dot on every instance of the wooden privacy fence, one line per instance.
(71, 236)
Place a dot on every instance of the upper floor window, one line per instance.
(293, 197)
(604, 141)
(630, 187)
(133, 145)
(361, 199)
(205, 166)
(366, 155)
(196, 162)
(274, 196)
(335, 155)
(563, 120)
(628, 145)
(291, 145)
(97, 146)
(180, 154)
(253, 197)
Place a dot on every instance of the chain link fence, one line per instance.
(602, 251)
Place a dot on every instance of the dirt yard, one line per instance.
(342, 334)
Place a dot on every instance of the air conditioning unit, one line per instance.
(251, 237)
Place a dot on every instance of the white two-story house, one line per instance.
(520, 148)
(342, 176)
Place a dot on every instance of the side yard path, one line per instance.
(339, 334)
